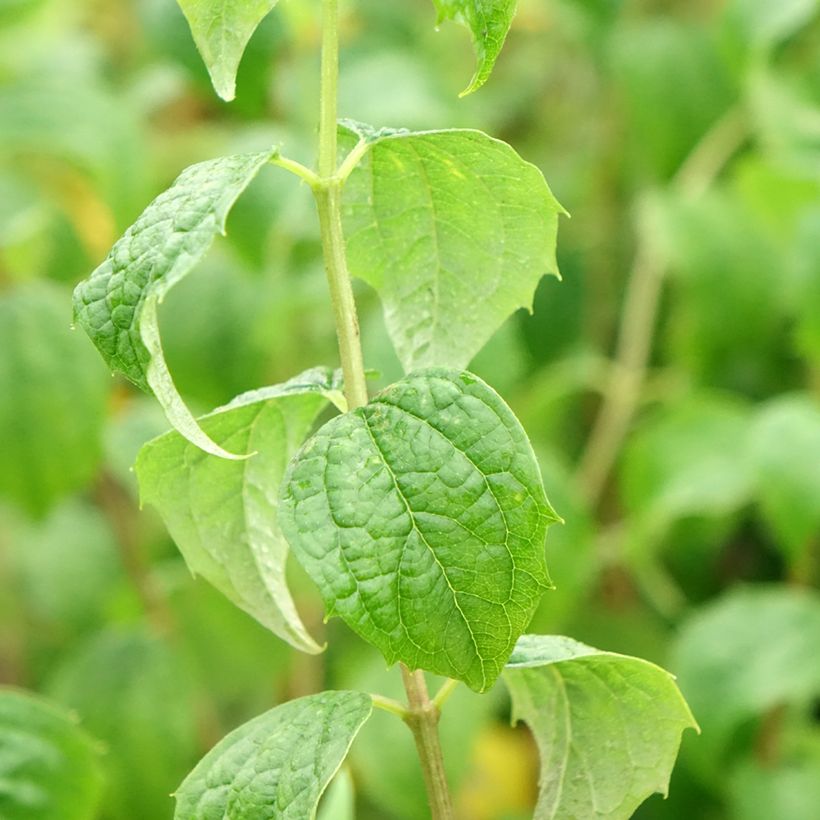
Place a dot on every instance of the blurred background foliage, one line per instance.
(684, 138)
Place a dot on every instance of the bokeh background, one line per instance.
(684, 138)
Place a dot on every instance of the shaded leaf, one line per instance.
(454, 230)
(222, 29)
(277, 765)
(223, 514)
(52, 400)
(421, 518)
(117, 305)
(49, 767)
(608, 726)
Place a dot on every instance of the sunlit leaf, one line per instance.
(222, 29)
(454, 230)
(223, 514)
(421, 517)
(608, 726)
(117, 305)
(277, 765)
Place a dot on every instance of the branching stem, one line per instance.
(422, 715)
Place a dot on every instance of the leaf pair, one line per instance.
(222, 29)
(595, 715)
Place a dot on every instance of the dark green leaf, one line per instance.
(276, 766)
(222, 514)
(454, 230)
(117, 305)
(49, 768)
(421, 517)
(608, 726)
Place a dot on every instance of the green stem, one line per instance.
(423, 721)
(422, 715)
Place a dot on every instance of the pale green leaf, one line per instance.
(49, 767)
(117, 305)
(608, 726)
(785, 444)
(339, 801)
(488, 22)
(53, 394)
(764, 23)
(454, 230)
(276, 766)
(740, 656)
(223, 514)
(133, 692)
(421, 517)
(222, 29)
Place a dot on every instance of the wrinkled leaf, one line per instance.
(454, 230)
(222, 514)
(117, 305)
(222, 29)
(49, 767)
(488, 22)
(608, 726)
(421, 518)
(754, 649)
(277, 765)
(52, 400)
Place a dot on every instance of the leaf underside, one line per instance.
(608, 727)
(488, 22)
(221, 31)
(276, 766)
(421, 517)
(454, 231)
(223, 514)
(117, 305)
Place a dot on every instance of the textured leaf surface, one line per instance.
(48, 766)
(222, 29)
(488, 22)
(421, 517)
(53, 393)
(608, 726)
(454, 230)
(223, 514)
(117, 305)
(276, 766)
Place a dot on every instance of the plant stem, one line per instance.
(423, 721)
(422, 715)
(637, 324)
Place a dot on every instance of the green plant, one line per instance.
(419, 514)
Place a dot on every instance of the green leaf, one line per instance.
(277, 765)
(764, 24)
(752, 650)
(49, 768)
(421, 518)
(454, 230)
(117, 305)
(222, 514)
(53, 394)
(222, 29)
(785, 432)
(488, 22)
(608, 726)
(134, 693)
(339, 801)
